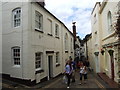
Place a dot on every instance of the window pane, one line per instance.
(16, 17)
(16, 56)
(38, 59)
(38, 20)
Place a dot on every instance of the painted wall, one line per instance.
(90, 54)
(105, 36)
(14, 37)
(109, 37)
(31, 41)
(95, 22)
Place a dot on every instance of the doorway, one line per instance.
(112, 63)
(50, 66)
(97, 62)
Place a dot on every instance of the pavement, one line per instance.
(109, 81)
(94, 81)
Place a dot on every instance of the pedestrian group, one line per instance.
(70, 69)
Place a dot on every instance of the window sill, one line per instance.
(38, 30)
(57, 37)
(16, 66)
(57, 65)
(66, 51)
(39, 71)
(49, 34)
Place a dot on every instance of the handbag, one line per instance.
(65, 79)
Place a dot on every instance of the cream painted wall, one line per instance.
(105, 37)
(13, 37)
(95, 22)
(109, 36)
(90, 54)
(31, 41)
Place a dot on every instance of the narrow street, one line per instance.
(46, 38)
(93, 82)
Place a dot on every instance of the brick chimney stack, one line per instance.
(74, 30)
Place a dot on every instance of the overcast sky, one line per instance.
(68, 11)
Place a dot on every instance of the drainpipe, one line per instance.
(22, 39)
(86, 50)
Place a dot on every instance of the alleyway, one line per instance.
(93, 82)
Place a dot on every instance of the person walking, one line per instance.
(85, 73)
(73, 69)
(82, 70)
(68, 72)
(79, 64)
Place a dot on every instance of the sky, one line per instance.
(69, 11)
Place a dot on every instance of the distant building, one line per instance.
(82, 50)
(77, 41)
(35, 44)
(77, 48)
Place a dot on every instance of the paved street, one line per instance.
(93, 82)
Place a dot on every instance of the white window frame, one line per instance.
(56, 30)
(16, 14)
(66, 42)
(38, 62)
(38, 21)
(57, 57)
(16, 54)
(50, 22)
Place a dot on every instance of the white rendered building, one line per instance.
(35, 43)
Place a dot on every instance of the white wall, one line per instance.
(95, 22)
(104, 36)
(108, 37)
(31, 41)
(14, 37)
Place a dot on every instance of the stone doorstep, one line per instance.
(109, 81)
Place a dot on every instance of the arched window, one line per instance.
(66, 42)
(109, 21)
(16, 13)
